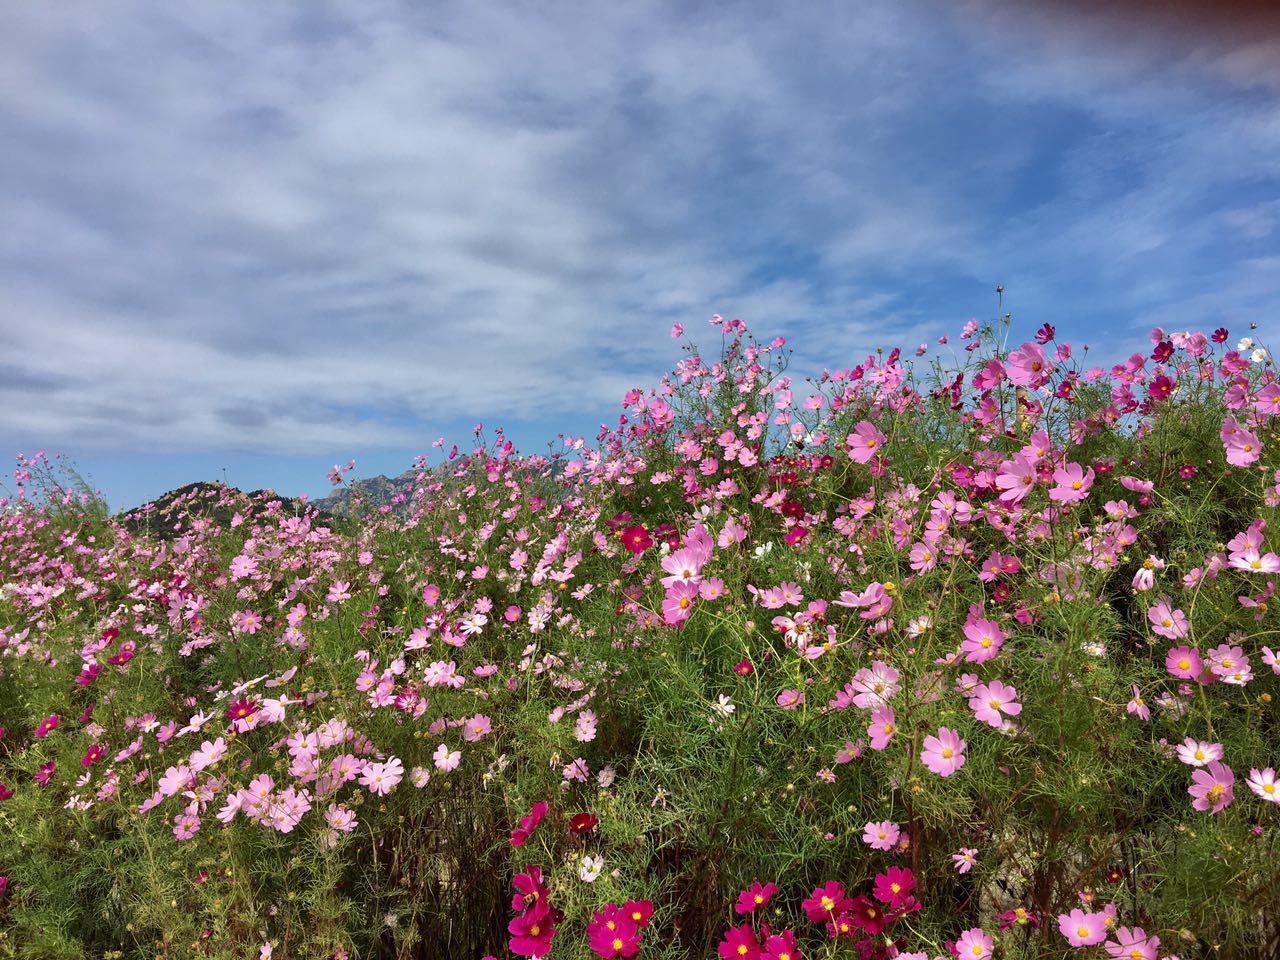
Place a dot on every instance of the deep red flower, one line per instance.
(1045, 334)
(1220, 335)
(743, 668)
(582, 823)
(868, 915)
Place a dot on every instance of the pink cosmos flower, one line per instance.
(677, 606)
(1184, 663)
(1016, 478)
(1242, 447)
(982, 642)
(1133, 944)
(943, 754)
(790, 699)
(381, 778)
(1168, 622)
(1027, 366)
(476, 728)
(989, 700)
(682, 566)
(882, 728)
(1082, 928)
(446, 760)
(1072, 483)
(882, 835)
(1251, 561)
(1212, 789)
(965, 859)
(974, 944)
(1137, 707)
(865, 442)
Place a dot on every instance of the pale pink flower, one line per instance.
(882, 835)
(1198, 753)
(1082, 928)
(1263, 783)
(974, 944)
(445, 759)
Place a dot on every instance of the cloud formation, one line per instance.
(296, 226)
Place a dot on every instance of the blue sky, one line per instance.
(272, 237)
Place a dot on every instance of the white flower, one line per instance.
(1096, 648)
(725, 707)
(590, 869)
(764, 550)
(1246, 343)
(1258, 356)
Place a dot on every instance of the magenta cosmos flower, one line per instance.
(1212, 788)
(943, 754)
(520, 835)
(825, 902)
(751, 900)
(740, 943)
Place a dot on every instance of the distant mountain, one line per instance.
(161, 516)
(372, 492)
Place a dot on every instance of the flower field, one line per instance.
(968, 651)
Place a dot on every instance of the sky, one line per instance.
(249, 241)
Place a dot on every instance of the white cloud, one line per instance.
(297, 227)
